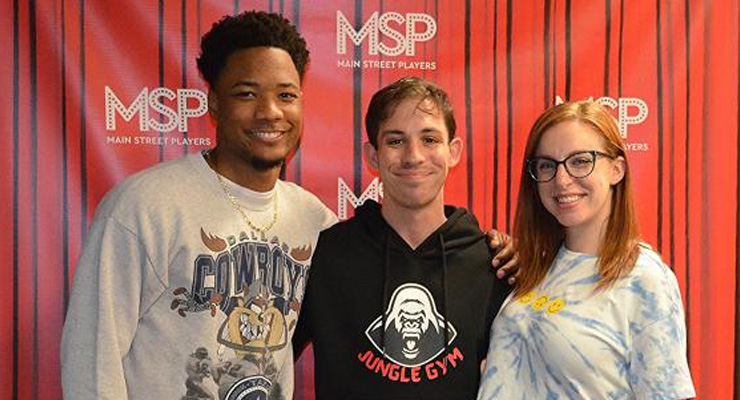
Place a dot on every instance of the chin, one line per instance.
(415, 204)
(568, 221)
(263, 164)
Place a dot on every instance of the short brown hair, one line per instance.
(385, 101)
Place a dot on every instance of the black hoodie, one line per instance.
(436, 301)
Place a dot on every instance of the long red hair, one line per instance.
(539, 235)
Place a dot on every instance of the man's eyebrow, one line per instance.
(256, 84)
(245, 83)
(397, 132)
(290, 85)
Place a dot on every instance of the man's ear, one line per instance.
(619, 167)
(371, 155)
(213, 105)
(456, 147)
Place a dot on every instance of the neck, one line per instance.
(414, 226)
(242, 172)
(586, 241)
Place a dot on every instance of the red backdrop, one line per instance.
(668, 68)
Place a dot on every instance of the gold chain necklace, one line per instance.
(240, 209)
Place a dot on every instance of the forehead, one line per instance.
(566, 137)
(262, 65)
(413, 114)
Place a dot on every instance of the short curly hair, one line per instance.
(246, 30)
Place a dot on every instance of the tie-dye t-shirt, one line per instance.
(564, 340)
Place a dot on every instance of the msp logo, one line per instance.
(345, 195)
(414, 329)
(160, 110)
(389, 34)
(630, 111)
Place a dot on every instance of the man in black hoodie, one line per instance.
(400, 297)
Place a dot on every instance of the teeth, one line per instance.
(567, 199)
(267, 134)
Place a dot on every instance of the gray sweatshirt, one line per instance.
(176, 297)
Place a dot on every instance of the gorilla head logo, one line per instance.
(414, 330)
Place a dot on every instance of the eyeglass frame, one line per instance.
(594, 154)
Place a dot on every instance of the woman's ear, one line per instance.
(619, 168)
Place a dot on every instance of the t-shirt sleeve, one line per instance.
(658, 366)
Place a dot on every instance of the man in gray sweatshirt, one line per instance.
(189, 283)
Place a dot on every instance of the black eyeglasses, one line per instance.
(578, 165)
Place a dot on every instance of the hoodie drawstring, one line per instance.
(384, 304)
(386, 272)
(444, 298)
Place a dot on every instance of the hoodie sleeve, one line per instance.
(302, 334)
(304, 330)
(104, 311)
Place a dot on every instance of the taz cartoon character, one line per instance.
(254, 325)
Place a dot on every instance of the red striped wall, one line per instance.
(501, 61)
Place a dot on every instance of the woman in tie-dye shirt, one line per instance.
(596, 314)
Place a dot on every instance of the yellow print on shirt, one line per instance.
(543, 301)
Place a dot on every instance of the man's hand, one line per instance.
(506, 261)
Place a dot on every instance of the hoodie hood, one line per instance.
(393, 322)
(461, 230)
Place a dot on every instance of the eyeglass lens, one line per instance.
(578, 165)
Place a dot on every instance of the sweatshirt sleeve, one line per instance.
(104, 311)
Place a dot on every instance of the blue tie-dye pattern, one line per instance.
(490, 372)
(622, 366)
(568, 386)
(598, 325)
(619, 394)
(650, 309)
(525, 334)
(552, 396)
(587, 281)
(573, 346)
(563, 268)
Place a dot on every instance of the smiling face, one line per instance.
(256, 103)
(581, 205)
(414, 156)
